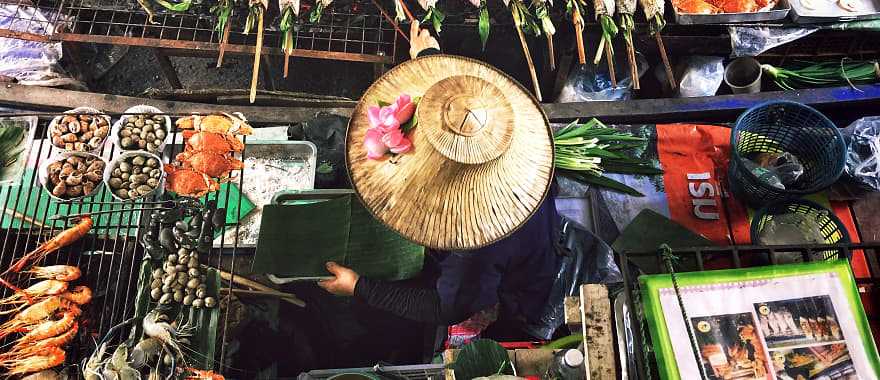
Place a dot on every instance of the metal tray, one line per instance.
(777, 13)
(829, 11)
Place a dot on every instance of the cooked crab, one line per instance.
(188, 182)
(212, 142)
(226, 124)
(213, 164)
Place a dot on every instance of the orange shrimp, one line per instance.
(61, 240)
(36, 314)
(45, 358)
(79, 295)
(22, 348)
(201, 374)
(57, 272)
(42, 288)
(50, 329)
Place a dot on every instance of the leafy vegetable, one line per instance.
(286, 28)
(253, 15)
(483, 25)
(565, 342)
(11, 137)
(315, 16)
(175, 7)
(523, 18)
(609, 30)
(585, 151)
(435, 16)
(482, 357)
(824, 74)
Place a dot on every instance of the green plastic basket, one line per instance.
(832, 229)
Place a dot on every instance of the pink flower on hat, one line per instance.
(385, 132)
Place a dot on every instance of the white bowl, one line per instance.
(77, 110)
(133, 111)
(43, 173)
(108, 170)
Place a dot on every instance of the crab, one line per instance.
(188, 182)
(225, 124)
(212, 142)
(213, 164)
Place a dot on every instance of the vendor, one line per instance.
(510, 278)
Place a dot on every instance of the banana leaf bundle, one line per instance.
(289, 13)
(318, 11)
(11, 136)
(584, 152)
(604, 14)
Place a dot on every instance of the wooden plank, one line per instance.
(51, 99)
(532, 362)
(167, 69)
(838, 100)
(596, 315)
(572, 307)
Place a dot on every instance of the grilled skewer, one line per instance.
(604, 13)
(625, 10)
(289, 13)
(257, 10)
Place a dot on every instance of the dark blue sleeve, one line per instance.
(429, 51)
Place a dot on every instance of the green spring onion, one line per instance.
(824, 74)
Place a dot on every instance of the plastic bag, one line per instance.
(753, 40)
(31, 63)
(586, 260)
(589, 82)
(327, 132)
(777, 170)
(702, 76)
(863, 150)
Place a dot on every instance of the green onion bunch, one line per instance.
(584, 152)
(824, 74)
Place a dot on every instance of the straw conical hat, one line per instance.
(482, 157)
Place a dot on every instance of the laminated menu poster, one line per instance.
(785, 322)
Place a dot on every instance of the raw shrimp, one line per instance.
(144, 352)
(42, 288)
(56, 272)
(47, 358)
(162, 331)
(46, 374)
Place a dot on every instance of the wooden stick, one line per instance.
(551, 52)
(243, 281)
(631, 57)
(669, 76)
(259, 293)
(392, 20)
(578, 23)
(224, 41)
(532, 72)
(409, 14)
(609, 58)
(286, 61)
(257, 50)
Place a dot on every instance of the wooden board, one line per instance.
(43, 99)
(596, 320)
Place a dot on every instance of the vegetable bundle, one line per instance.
(585, 151)
(824, 74)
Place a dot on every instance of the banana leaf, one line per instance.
(203, 349)
(16, 139)
(601, 181)
(482, 357)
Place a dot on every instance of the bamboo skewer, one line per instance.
(517, 18)
(392, 20)
(257, 51)
(286, 61)
(23, 217)
(281, 295)
(666, 65)
(223, 42)
(578, 22)
(633, 68)
(608, 58)
(551, 52)
(409, 14)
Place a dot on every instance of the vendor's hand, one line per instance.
(420, 39)
(343, 282)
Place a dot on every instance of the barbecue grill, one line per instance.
(110, 255)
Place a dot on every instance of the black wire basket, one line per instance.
(784, 127)
(831, 228)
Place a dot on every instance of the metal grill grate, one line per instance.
(109, 256)
(355, 30)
